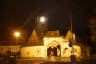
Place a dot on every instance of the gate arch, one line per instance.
(54, 49)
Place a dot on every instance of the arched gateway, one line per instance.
(54, 49)
(53, 46)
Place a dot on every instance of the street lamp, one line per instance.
(16, 34)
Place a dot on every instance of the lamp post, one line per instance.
(16, 34)
(73, 57)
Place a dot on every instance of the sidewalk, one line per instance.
(52, 58)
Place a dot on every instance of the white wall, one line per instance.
(67, 53)
(33, 51)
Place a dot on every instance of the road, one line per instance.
(52, 60)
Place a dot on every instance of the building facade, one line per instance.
(53, 45)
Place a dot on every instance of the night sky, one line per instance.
(20, 15)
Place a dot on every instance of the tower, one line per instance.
(41, 25)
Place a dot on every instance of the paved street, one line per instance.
(51, 60)
(56, 60)
(30, 61)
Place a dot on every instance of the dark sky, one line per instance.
(20, 14)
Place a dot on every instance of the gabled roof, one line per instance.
(52, 33)
(34, 39)
(70, 35)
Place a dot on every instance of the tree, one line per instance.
(92, 26)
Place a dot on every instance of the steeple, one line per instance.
(34, 39)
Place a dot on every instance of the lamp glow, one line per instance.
(17, 34)
(42, 19)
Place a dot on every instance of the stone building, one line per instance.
(53, 44)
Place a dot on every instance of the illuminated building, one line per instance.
(53, 44)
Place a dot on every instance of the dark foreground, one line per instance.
(91, 60)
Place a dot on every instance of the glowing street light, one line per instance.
(16, 34)
(42, 19)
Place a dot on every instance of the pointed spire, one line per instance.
(34, 38)
(69, 35)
